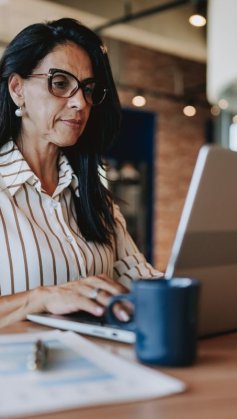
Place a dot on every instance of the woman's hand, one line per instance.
(90, 294)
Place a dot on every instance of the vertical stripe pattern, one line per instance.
(40, 241)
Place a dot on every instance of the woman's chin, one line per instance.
(68, 142)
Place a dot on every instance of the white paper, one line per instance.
(79, 373)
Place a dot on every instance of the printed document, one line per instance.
(78, 373)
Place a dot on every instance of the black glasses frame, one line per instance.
(80, 84)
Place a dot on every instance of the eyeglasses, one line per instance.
(63, 84)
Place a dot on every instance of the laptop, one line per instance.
(205, 247)
(85, 323)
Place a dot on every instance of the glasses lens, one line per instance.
(65, 85)
(94, 93)
(62, 85)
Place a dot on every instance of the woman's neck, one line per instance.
(43, 160)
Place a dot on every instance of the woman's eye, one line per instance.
(60, 82)
(89, 89)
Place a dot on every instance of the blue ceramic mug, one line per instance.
(165, 319)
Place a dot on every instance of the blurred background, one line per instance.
(176, 77)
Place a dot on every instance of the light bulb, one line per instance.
(234, 119)
(197, 20)
(215, 110)
(189, 110)
(139, 101)
(223, 103)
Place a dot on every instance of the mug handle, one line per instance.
(110, 316)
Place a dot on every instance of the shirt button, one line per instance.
(70, 239)
(54, 204)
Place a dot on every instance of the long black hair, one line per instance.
(22, 55)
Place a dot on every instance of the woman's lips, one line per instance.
(73, 123)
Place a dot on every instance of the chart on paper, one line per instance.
(64, 364)
(78, 373)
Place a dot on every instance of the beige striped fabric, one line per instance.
(40, 242)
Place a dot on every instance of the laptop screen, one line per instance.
(205, 246)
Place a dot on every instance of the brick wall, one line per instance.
(178, 138)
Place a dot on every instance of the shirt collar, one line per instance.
(66, 176)
(15, 171)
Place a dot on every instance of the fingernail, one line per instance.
(123, 315)
(99, 310)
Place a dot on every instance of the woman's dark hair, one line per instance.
(23, 54)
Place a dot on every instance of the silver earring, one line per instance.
(19, 112)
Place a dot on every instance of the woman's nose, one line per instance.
(77, 100)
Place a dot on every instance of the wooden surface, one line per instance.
(211, 392)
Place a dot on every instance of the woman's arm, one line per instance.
(130, 264)
(60, 299)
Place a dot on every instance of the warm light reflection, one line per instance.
(197, 20)
(138, 101)
(233, 137)
(223, 103)
(215, 110)
(189, 110)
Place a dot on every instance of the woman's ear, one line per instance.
(15, 86)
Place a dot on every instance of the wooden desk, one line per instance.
(211, 393)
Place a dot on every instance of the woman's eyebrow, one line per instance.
(88, 80)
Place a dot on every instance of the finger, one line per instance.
(89, 306)
(103, 297)
(81, 287)
(97, 294)
(104, 284)
(63, 299)
(120, 286)
(121, 312)
(85, 290)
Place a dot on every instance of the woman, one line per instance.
(63, 243)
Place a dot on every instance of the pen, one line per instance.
(39, 356)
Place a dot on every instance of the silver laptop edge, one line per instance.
(194, 184)
(104, 331)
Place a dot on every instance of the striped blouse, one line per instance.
(40, 242)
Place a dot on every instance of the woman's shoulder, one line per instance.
(8, 153)
(118, 216)
(6, 150)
